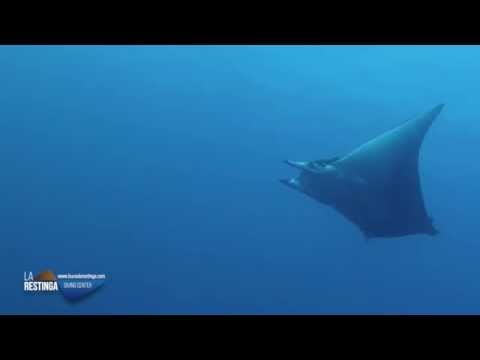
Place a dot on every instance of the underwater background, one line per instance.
(159, 166)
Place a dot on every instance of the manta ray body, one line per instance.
(376, 186)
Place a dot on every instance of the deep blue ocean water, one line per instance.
(159, 166)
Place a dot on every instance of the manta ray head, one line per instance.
(317, 179)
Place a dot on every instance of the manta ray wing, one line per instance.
(378, 158)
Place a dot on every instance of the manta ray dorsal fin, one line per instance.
(396, 147)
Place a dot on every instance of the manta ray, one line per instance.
(376, 186)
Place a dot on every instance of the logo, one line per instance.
(72, 286)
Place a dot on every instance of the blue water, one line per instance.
(159, 166)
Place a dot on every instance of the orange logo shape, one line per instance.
(45, 276)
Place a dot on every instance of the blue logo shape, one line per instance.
(75, 289)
